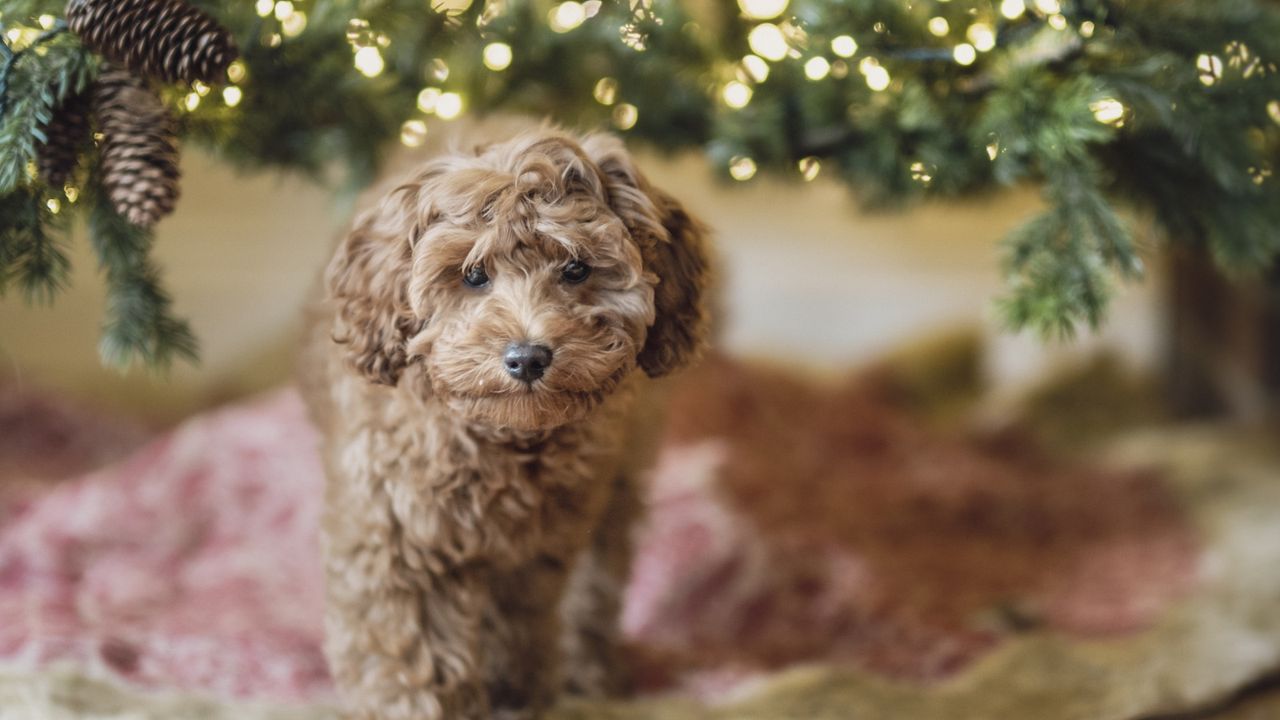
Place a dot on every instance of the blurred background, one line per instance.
(988, 428)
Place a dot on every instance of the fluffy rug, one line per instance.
(791, 522)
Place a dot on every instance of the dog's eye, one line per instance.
(476, 277)
(575, 272)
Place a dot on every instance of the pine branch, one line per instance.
(1059, 266)
(30, 253)
(140, 326)
(31, 87)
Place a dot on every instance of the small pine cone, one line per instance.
(139, 166)
(65, 136)
(165, 39)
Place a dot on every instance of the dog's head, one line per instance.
(522, 283)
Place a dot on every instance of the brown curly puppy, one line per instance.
(476, 370)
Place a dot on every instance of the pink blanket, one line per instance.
(194, 564)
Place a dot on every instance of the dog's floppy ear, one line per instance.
(368, 282)
(674, 246)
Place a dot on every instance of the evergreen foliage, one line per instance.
(30, 252)
(33, 82)
(1167, 109)
(139, 323)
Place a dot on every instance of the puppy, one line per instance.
(477, 370)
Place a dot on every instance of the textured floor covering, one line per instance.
(1209, 502)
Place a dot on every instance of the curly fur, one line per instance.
(476, 530)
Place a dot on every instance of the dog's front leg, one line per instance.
(594, 662)
(520, 638)
(403, 645)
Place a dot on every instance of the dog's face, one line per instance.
(523, 283)
(538, 298)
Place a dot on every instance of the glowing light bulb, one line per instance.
(762, 9)
(877, 77)
(844, 46)
(437, 70)
(490, 11)
(606, 91)
(767, 41)
(965, 54)
(54, 205)
(809, 168)
(742, 168)
(566, 16)
(1013, 9)
(625, 116)
(736, 95)
(1108, 111)
(1058, 22)
(1049, 7)
(294, 24)
(816, 68)
(200, 88)
(427, 99)
(369, 61)
(284, 9)
(264, 7)
(939, 26)
(231, 95)
(497, 56)
(1273, 109)
(359, 34)
(756, 67)
(236, 71)
(449, 105)
(191, 101)
(921, 173)
(71, 192)
(47, 21)
(982, 36)
(1210, 67)
(633, 37)
(1086, 28)
(413, 133)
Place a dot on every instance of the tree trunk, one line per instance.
(1223, 341)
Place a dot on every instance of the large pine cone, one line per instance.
(139, 166)
(165, 39)
(65, 136)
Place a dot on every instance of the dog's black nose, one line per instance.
(526, 361)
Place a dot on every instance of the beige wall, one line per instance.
(810, 280)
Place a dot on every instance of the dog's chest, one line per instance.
(472, 500)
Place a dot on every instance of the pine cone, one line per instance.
(65, 136)
(139, 166)
(165, 39)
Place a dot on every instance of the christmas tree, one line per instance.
(1165, 109)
